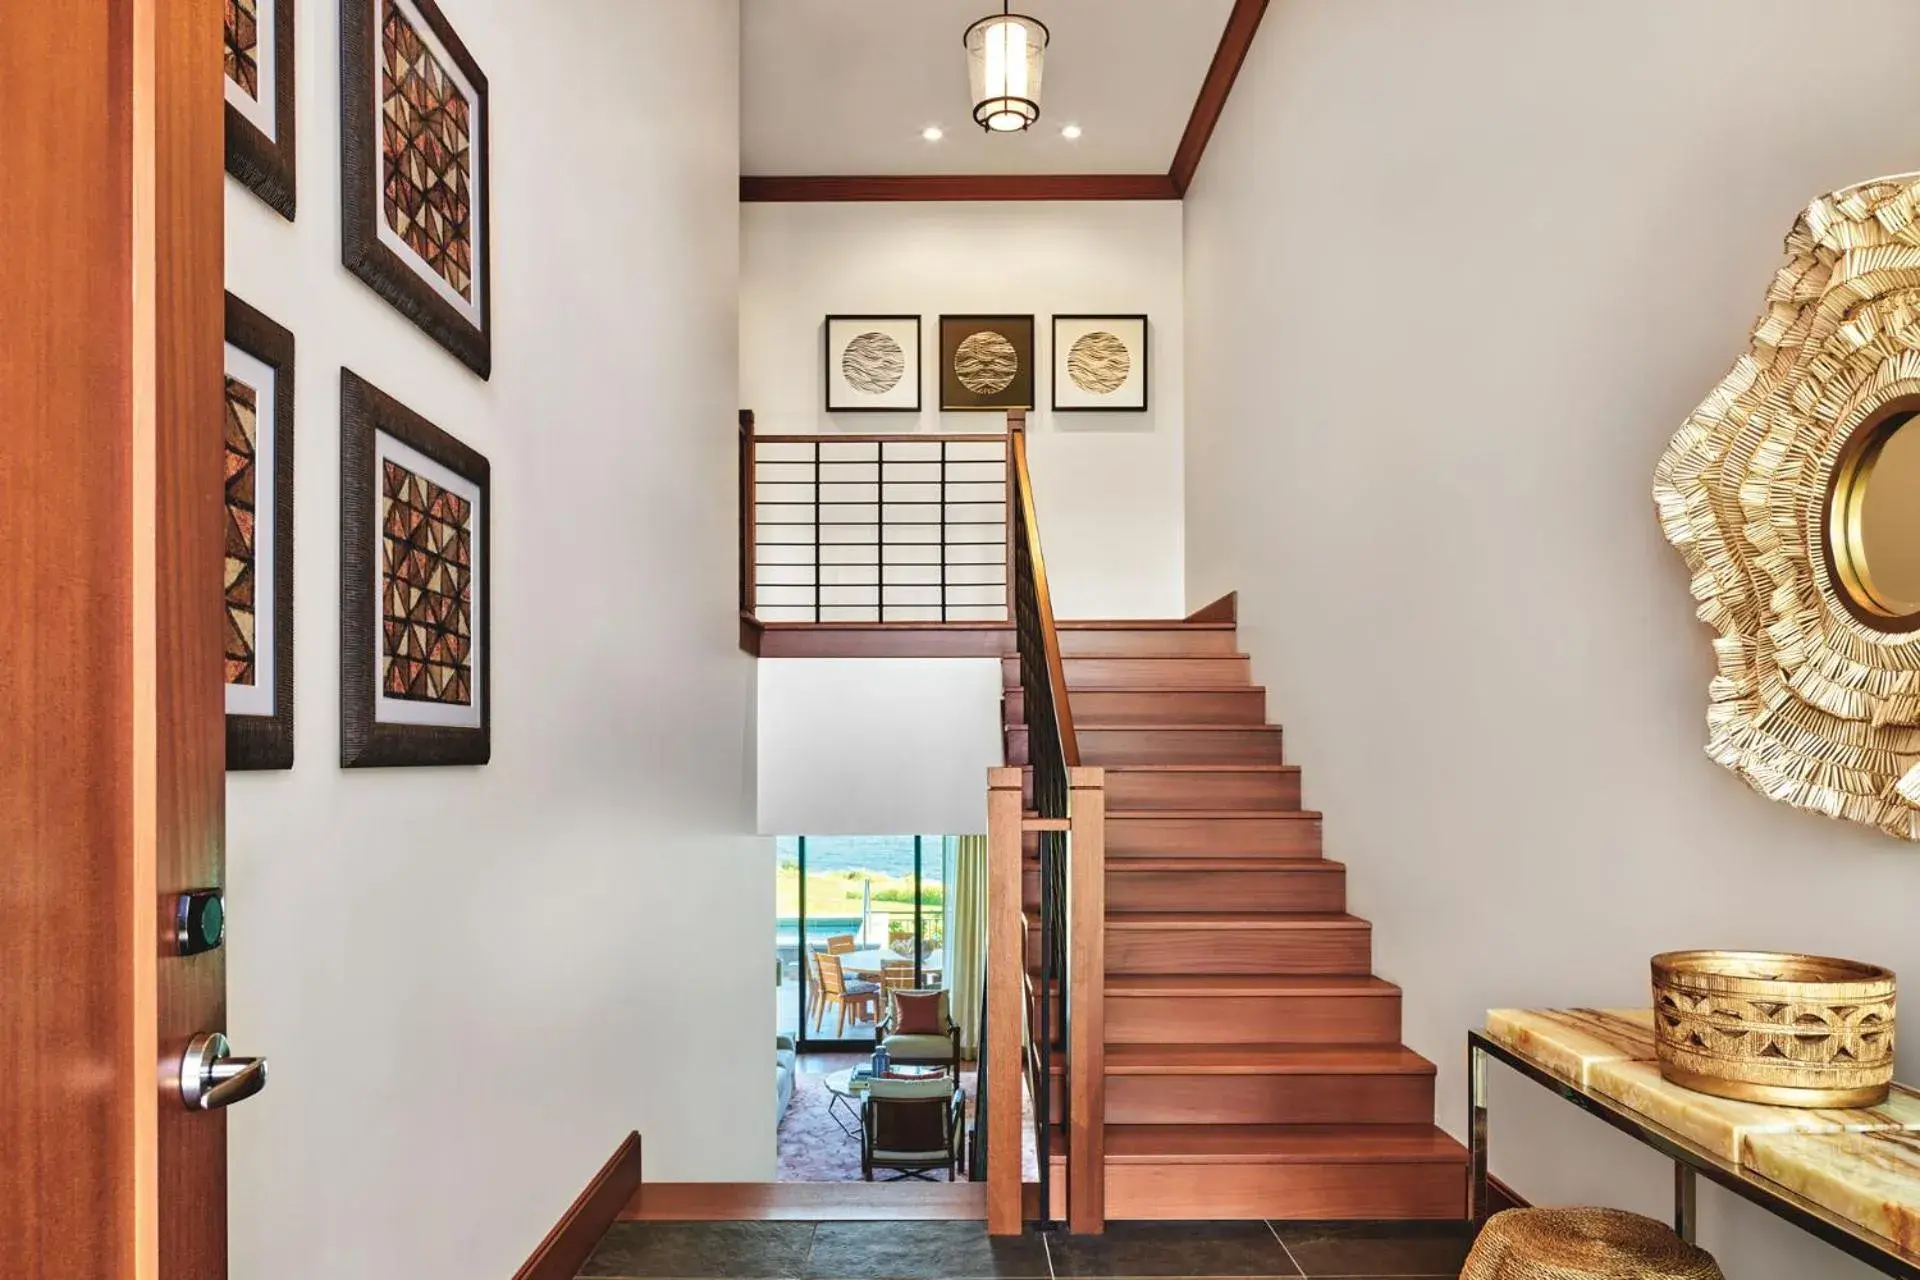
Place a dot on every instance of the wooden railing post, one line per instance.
(748, 525)
(1087, 981)
(1006, 1019)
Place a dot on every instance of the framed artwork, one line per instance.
(1099, 362)
(259, 86)
(872, 364)
(414, 645)
(986, 362)
(413, 170)
(258, 431)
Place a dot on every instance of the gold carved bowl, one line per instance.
(1784, 1030)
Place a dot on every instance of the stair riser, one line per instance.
(1146, 641)
(1146, 673)
(1147, 706)
(1170, 837)
(1345, 951)
(1232, 891)
(1204, 789)
(1224, 745)
(1275, 1099)
(1332, 1019)
(1297, 1192)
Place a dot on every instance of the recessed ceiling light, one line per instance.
(1070, 131)
(933, 133)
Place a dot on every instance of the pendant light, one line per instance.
(1004, 55)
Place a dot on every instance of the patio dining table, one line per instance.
(868, 964)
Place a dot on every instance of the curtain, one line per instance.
(967, 935)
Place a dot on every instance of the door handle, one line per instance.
(211, 1077)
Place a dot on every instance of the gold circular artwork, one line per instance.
(1099, 363)
(1793, 492)
(1873, 522)
(873, 364)
(985, 363)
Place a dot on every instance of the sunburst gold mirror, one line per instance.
(1793, 491)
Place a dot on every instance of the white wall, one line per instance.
(877, 746)
(1456, 273)
(456, 972)
(1108, 484)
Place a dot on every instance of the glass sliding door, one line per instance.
(857, 916)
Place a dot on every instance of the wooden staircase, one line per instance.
(1253, 1065)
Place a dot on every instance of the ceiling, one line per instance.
(846, 86)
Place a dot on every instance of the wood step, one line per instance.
(1251, 1009)
(1284, 1172)
(1215, 884)
(1207, 833)
(1108, 671)
(1110, 745)
(1146, 638)
(1267, 1084)
(1219, 787)
(1157, 706)
(1203, 786)
(1222, 943)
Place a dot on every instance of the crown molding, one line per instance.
(1235, 40)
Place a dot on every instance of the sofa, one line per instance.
(786, 1060)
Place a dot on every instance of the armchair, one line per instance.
(915, 1041)
(916, 1127)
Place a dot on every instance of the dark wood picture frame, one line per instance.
(826, 363)
(254, 741)
(1145, 355)
(361, 249)
(365, 741)
(1021, 393)
(265, 166)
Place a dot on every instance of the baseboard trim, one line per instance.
(565, 1250)
(1501, 1196)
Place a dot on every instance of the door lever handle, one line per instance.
(211, 1077)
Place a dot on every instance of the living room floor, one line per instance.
(963, 1251)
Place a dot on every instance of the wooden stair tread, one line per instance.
(1182, 726)
(1140, 624)
(1281, 1144)
(1170, 688)
(1099, 655)
(1301, 815)
(1248, 862)
(1224, 766)
(1264, 1059)
(1228, 985)
(1234, 920)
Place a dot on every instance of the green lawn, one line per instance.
(833, 894)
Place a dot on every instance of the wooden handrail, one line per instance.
(1049, 628)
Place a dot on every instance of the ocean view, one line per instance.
(884, 855)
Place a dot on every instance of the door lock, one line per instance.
(211, 1077)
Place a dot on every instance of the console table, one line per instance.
(1690, 1157)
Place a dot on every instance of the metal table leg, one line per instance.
(1686, 1212)
(1476, 1133)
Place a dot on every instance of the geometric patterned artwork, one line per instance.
(1816, 700)
(243, 46)
(258, 434)
(427, 589)
(258, 60)
(1099, 362)
(242, 423)
(872, 364)
(414, 171)
(986, 362)
(415, 520)
(427, 143)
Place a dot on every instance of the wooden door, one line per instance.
(111, 739)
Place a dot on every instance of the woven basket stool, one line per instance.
(1583, 1244)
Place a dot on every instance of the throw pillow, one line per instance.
(919, 1013)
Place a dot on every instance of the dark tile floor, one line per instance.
(962, 1251)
